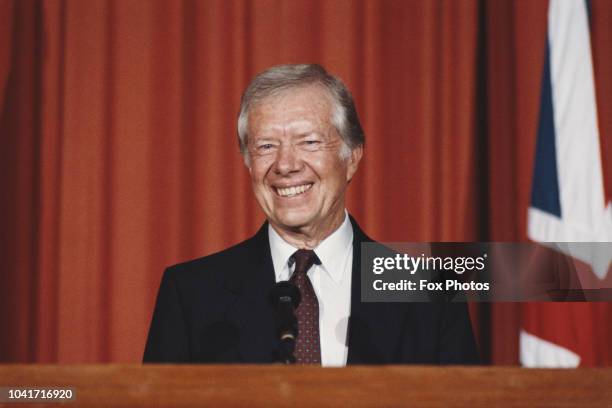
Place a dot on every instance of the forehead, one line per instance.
(292, 107)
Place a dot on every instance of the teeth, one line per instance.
(292, 191)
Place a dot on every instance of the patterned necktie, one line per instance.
(308, 342)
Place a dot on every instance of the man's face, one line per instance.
(298, 175)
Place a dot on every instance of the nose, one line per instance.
(287, 161)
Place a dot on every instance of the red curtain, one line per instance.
(118, 152)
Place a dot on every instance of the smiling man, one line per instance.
(300, 165)
(302, 142)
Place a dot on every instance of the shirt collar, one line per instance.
(331, 251)
(281, 251)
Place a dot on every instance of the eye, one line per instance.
(311, 144)
(265, 148)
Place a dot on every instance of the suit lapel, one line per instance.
(252, 312)
(374, 329)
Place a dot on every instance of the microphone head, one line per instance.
(285, 292)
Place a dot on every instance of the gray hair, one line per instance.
(283, 77)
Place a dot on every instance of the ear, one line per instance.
(353, 162)
(247, 162)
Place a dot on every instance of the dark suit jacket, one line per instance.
(216, 309)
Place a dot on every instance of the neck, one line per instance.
(309, 237)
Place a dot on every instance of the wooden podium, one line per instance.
(276, 386)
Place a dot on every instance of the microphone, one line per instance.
(285, 298)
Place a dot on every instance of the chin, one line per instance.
(294, 221)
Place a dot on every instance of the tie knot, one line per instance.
(303, 259)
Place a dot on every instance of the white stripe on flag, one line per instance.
(537, 352)
(585, 217)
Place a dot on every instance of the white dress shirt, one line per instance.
(331, 282)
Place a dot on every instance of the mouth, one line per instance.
(293, 190)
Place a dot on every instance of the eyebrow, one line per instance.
(262, 139)
(310, 133)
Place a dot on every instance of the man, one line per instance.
(302, 142)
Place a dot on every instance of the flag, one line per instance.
(568, 202)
